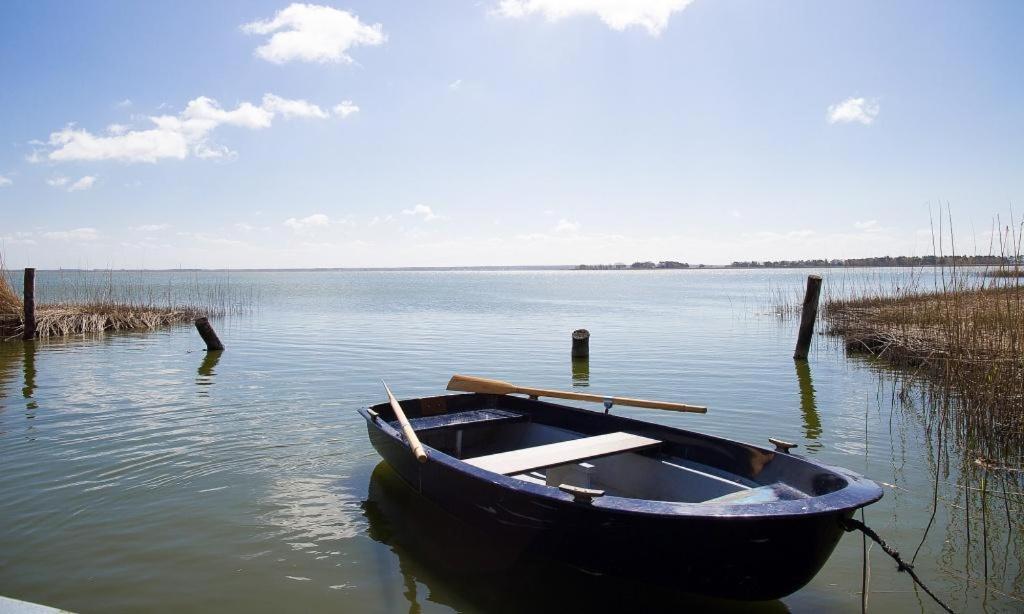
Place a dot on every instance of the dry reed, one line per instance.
(10, 302)
(964, 337)
(81, 302)
(74, 319)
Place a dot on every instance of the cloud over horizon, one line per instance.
(176, 136)
(423, 211)
(311, 221)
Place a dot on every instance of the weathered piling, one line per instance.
(29, 301)
(580, 343)
(206, 331)
(808, 315)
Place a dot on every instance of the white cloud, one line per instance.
(59, 181)
(651, 15)
(124, 104)
(176, 136)
(78, 234)
(82, 184)
(150, 227)
(565, 225)
(292, 108)
(346, 108)
(313, 33)
(868, 226)
(18, 238)
(455, 85)
(209, 151)
(117, 129)
(859, 110)
(5, 181)
(245, 227)
(312, 221)
(215, 240)
(422, 210)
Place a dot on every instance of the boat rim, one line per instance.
(858, 492)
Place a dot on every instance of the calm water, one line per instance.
(139, 474)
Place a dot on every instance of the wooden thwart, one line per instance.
(552, 454)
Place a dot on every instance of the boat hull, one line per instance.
(745, 556)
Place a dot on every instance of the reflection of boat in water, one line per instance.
(470, 569)
(622, 497)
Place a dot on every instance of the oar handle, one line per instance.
(410, 435)
(468, 383)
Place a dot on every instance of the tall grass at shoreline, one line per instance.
(963, 337)
(10, 302)
(79, 302)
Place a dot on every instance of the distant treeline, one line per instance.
(647, 265)
(882, 261)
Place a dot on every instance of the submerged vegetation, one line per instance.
(80, 302)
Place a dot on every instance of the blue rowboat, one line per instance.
(619, 496)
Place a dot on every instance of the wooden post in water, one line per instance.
(580, 343)
(808, 315)
(213, 343)
(30, 305)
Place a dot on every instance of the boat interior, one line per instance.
(588, 454)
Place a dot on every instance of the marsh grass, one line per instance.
(963, 337)
(1004, 273)
(10, 302)
(82, 302)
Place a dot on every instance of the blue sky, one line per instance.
(265, 134)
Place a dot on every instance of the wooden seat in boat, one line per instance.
(552, 454)
(463, 419)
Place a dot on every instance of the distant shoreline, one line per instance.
(554, 267)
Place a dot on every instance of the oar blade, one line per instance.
(468, 383)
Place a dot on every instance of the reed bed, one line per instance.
(75, 319)
(1005, 273)
(10, 302)
(83, 302)
(967, 340)
(963, 337)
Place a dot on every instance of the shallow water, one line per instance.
(139, 473)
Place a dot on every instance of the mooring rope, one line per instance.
(851, 524)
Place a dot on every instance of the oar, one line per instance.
(468, 383)
(410, 435)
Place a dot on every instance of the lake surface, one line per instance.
(136, 473)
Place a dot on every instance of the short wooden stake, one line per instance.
(580, 343)
(808, 315)
(30, 305)
(206, 331)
